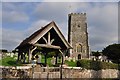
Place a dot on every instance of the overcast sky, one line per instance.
(21, 19)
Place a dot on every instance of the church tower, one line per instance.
(78, 36)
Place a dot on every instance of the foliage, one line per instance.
(84, 63)
(4, 50)
(9, 61)
(96, 54)
(78, 64)
(112, 52)
(89, 64)
(97, 65)
(15, 50)
(70, 63)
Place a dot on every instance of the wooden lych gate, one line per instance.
(49, 38)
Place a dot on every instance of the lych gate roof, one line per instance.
(55, 32)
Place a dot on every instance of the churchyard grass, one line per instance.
(9, 61)
(84, 63)
(70, 63)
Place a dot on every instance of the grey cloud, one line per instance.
(102, 21)
(36, 26)
(15, 16)
(52, 11)
(14, 12)
(102, 25)
(11, 38)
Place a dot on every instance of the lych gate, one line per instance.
(49, 38)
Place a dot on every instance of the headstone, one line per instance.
(74, 60)
(8, 54)
(66, 57)
(15, 58)
(12, 54)
(39, 59)
(53, 60)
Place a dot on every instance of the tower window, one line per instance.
(79, 48)
(78, 25)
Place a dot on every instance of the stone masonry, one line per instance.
(78, 36)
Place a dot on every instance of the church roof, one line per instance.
(36, 36)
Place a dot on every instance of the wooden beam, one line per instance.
(62, 56)
(52, 41)
(49, 38)
(48, 46)
(42, 33)
(45, 40)
(33, 49)
(61, 52)
(30, 54)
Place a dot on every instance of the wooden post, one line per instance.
(62, 59)
(49, 38)
(61, 63)
(21, 55)
(45, 59)
(24, 57)
(29, 56)
(56, 59)
(18, 56)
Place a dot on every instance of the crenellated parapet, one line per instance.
(77, 14)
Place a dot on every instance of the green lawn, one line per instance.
(70, 63)
(88, 64)
(9, 61)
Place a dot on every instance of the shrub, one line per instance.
(89, 64)
(97, 65)
(78, 64)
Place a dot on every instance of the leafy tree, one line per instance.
(3, 50)
(96, 54)
(112, 52)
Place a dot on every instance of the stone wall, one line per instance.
(77, 35)
(54, 72)
(83, 73)
(76, 72)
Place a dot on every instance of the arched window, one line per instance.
(79, 48)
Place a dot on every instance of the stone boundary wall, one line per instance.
(84, 73)
(53, 72)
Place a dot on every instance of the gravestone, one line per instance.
(12, 54)
(53, 60)
(39, 59)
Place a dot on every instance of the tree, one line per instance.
(4, 50)
(112, 52)
(96, 54)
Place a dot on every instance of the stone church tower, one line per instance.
(78, 36)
